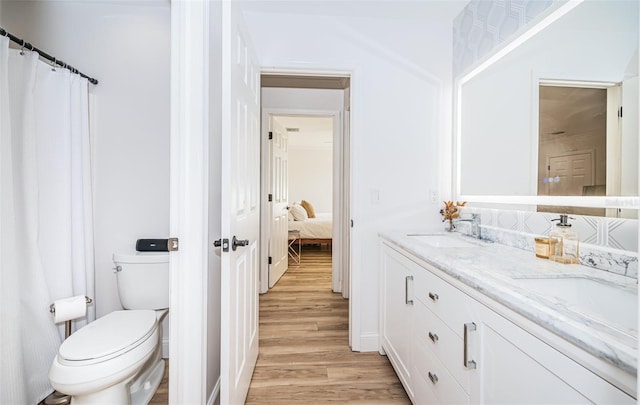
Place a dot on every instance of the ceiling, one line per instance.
(424, 10)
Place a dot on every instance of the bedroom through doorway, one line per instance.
(305, 174)
(309, 176)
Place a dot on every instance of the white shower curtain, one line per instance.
(46, 227)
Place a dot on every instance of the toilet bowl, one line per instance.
(117, 358)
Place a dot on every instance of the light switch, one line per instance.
(375, 196)
(433, 196)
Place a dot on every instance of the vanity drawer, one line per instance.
(433, 334)
(422, 390)
(431, 376)
(447, 302)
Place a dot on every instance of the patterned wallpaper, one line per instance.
(485, 24)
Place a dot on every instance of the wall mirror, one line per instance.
(538, 123)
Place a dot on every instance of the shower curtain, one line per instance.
(46, 227)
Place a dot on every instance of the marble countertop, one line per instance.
(504, 274)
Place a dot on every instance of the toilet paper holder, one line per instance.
(67, 324)
(58, 398)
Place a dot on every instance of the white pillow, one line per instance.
(291, 216)
(298, 212)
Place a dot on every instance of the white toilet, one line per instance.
(117, 359)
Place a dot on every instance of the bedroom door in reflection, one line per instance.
(279, 190)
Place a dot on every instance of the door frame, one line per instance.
(340, 199)
(189, 193)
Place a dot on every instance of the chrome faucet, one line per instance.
(475, 225)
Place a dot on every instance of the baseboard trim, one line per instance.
(369, 342)
(214, 395)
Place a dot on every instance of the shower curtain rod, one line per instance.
(45, 55)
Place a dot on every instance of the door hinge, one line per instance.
(270, 135)
(173, 244)
(352, 223)
(620, 112)
(270, 259)
(270, 197)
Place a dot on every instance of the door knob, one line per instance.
(235, 242)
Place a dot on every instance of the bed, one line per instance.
(316, 230)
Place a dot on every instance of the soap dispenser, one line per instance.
(567, 243)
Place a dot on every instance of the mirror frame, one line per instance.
(548, 18)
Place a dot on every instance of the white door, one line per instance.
(240, 212)
(569, 173)
(279, 189)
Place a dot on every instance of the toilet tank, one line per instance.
(143, 280)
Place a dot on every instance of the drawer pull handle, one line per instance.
(468, 327)
(433, 377)
(433, 296)
(433, 337)
(406, 290)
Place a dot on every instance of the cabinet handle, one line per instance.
(433, 296)
(406, 290)
(433, 337)
(433, 377)
(468, 327)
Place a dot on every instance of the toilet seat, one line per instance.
(107, 337)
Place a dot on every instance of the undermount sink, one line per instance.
(442, 241)
(608, 303)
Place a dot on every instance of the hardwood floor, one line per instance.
(304, 354)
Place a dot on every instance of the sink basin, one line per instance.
(608, 303)
(442, 241)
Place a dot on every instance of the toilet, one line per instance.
(117, 359)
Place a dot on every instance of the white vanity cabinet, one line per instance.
(423, 349)
(513, 366)
(397, 313)
(452, 345)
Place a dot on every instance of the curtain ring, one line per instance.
(53, 65)
(22, 49)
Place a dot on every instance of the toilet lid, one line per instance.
(109, 336)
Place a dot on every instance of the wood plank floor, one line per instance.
(304, 354)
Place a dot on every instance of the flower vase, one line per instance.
(450, 226)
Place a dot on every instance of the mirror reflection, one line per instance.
(544, 119)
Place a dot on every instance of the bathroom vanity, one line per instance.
(469, 321)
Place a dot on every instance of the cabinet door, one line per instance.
(397, 308)
(515, 367)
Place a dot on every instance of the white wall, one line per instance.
(400, 107)
(126, 47)
(310, 177)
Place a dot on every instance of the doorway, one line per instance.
(315, 100)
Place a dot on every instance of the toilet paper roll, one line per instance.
(69, 308)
